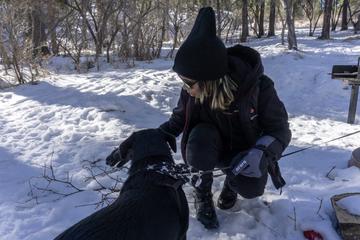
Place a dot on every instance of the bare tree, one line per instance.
(15, 44)
(325, 33)
(164, 25)
(205, 3)
(142, 52)
(291, 37)
(283, 22)
(114, 30)
(71, 39)
(335, 14)
(272, 17)
(224, 17)
(5, 60)
(97, 20)
(38, 27)
(254, 17)
(176, 20)
(52, 16)
(245, 21)
(313, 13)
(354, 12)
(261, 18)
(344, 19)
(218, 20)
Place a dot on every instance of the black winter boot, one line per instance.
(205, 210)
(227, 198)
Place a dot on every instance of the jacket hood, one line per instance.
(245, 67)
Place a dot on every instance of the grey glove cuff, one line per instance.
(270, 146)
(265, 141)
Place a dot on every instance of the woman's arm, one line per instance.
(273, 119)
(176, 123)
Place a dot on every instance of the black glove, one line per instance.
(121, 155)
(150, 142)
(171, 139)
(115, 158)
(255, 162)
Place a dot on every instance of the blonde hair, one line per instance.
(219, 92)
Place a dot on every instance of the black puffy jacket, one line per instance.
(255, 112)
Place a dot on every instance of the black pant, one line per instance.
(204, 151)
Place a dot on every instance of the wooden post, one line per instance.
(353, 103)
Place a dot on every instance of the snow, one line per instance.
(351, 204)
(69, 118)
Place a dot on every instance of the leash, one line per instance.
(185, 173)
(306, 148)
(178, 171)
(282, 156)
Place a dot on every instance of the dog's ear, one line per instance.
(126, 146)
(171, 141)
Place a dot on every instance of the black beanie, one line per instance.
(202, 56)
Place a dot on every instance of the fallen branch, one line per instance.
(318, 211)
(51, 185)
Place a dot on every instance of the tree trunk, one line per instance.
(335, 17)
(325, 33)
(205, 3)
(218, 16)
(357, 25)
(291, 37)
(163, 28)
(176, 33)
(272, 18)
(283, 26)
(315, 24)
(52, 14)
(84, 27)
(3, 53)
(125, 45)
(256, 18)
(261, 20)
(310, 28)
(245, 21)
(344, 20)
(36, 30)
(38, 26)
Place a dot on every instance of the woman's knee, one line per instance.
(203, 147)
(248, 187)
(251, 194)
(204, 135)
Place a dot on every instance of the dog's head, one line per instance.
(144, 144)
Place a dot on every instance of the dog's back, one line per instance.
(144, 210)
(150, 206)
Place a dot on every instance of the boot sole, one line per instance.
(225, 206)
(209, 225)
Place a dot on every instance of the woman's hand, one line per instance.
(253, 163)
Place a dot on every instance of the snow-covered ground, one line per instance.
(68, 118)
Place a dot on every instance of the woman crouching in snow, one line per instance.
(230, 116)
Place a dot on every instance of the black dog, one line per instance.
(151, 205)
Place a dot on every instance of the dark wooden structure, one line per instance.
(348, 223)
(355, 158)
(350, 74)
